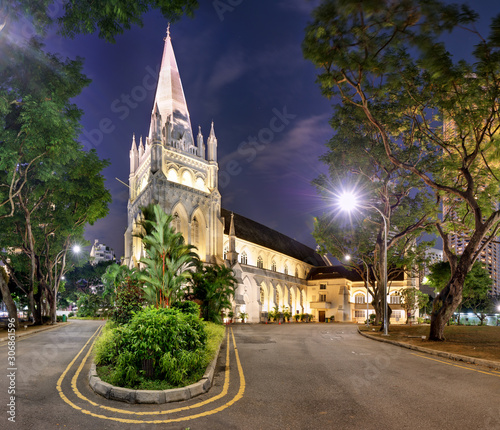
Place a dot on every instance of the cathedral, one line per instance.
(172, 168)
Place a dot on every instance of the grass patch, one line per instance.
(473, 341)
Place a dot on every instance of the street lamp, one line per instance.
(349, 202)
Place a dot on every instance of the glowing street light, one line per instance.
(77, 249)
(349, 202)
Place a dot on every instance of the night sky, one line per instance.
(241, 67)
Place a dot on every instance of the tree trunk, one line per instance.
(37, 308)
(7, 298)
(52, 304)
(445, 304)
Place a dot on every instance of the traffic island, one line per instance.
(129, 395)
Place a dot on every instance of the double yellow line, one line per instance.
(223, 393)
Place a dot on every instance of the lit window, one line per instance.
(260, 263)
(226, 250)
(176, 223)
(322, 297)
(273, 266)
(296, 272)
(359, 298)
(322, 286)
(261, 295)
(195, 232)
(244, 258)
(394, 300)
(285, 270)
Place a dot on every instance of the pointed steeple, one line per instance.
(232, 255)
(141, 148)
(201, 144)
(212, 145)
(133, 156)
(169, 99)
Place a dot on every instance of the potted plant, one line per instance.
(286, 314)
(230, 314)
(297, 317)
(243, 316)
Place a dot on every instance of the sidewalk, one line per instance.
(26, 330)
(493, 364)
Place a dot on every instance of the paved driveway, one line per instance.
(290, 376)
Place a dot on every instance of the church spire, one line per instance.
(134, 161)
(170, 101)
(232, 255)
(212, 145)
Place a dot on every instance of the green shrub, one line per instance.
(108, 345)
(129, 299)
(157, 344)
(187, 307)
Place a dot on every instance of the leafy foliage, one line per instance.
(188, 307)
(412, 299)
(168, 259)
(435, 118)
(476, 294)
(49, 187)
(166, 342)
(108, 17)
(214, 286)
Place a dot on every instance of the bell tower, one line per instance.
(172, 169)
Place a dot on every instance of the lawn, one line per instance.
(473, 341)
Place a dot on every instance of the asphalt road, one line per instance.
(290, 376)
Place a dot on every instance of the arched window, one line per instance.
(285, 270)
(226, 250)
(176, 223)
(260, 262)
(244, 258)
(297, 272)
(360, 298)
(262, 296)
(273, 266)
(195, 232)
(277, 297)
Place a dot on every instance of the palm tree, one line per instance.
(168, 258)
(213, 286)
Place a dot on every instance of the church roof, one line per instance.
(259, 234)
(341, 272)
(169, 97)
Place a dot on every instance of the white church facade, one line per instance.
(172, 168)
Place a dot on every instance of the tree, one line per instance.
(49, 187)
(108, 17)
(477, 286)
(122, 284)
(168, 260)
(354, 160)
(436, 118)
(213, 286)
(412, 299)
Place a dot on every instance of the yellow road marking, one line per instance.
(124, 411)
(238, 396)
(457, 365)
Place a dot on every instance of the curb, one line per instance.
(456, 357)
(153, 396)
(22, 334)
